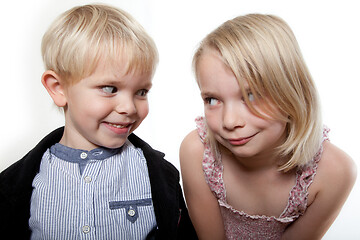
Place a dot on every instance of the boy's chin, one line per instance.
(114, 145)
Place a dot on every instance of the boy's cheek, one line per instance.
(144, 111)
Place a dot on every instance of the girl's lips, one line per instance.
(240, 141)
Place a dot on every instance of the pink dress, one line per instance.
(240, 225)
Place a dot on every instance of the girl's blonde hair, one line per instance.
(262, 51)
(77, 39)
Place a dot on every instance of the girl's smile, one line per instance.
(228, 116)
(241, 141)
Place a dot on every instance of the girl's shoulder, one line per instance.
(334, 179)
(335, 167)
(192, 144)
(202, 204)
(336, 161)
(194, 141)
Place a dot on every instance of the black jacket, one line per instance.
(16, 189)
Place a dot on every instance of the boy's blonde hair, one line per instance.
(78, 38)
(262, 51)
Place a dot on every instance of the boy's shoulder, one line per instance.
(16, 188)
(25, 169)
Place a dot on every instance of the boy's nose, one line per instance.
(126, 106)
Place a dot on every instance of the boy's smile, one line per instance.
(105, 107)
(118, 128)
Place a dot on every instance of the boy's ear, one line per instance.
(55, 87)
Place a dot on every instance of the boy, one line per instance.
(94, 178)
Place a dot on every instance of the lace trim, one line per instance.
(298, 198)
(268, 218)
(213, 169)
(201, 128)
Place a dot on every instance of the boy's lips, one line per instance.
(118, 125)
(119, 128)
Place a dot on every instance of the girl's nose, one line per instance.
(233, 116)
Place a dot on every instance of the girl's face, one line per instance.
(105, 107)
(228, 117)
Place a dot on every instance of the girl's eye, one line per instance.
(142, 92)
(109, 89)
(211, 101)
(251, 97)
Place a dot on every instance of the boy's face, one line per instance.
(105, 107)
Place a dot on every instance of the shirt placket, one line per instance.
(87, 188)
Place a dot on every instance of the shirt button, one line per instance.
(83, 155)
(131, 212)
(86, 229)
(87, 179)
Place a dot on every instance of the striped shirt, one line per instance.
(97, 194)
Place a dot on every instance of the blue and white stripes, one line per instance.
(109, 197)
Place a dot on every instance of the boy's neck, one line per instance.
(75, 141)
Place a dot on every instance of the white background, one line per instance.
(328, 33)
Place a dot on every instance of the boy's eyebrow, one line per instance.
(148, 85)
(112, 82)
(109, 81)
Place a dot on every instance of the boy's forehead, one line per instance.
(122, 63)
(116, 72)
(116, 60)
(118, 66)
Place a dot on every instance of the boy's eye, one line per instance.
(142, 92)
(109, 89)
(211, 101)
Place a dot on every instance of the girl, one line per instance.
(259, 165)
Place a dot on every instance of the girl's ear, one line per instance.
(55, 87)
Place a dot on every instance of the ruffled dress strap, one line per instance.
(305, 175)
(201, 128)
(212, 167)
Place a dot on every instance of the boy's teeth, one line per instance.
(117, 125)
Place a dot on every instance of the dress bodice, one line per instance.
(240, 225)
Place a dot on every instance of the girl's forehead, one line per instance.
(212, 66)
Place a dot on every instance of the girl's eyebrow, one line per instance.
(207, 93)
(247, 89)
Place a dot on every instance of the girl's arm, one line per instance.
(333, 182)
(203, 207)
